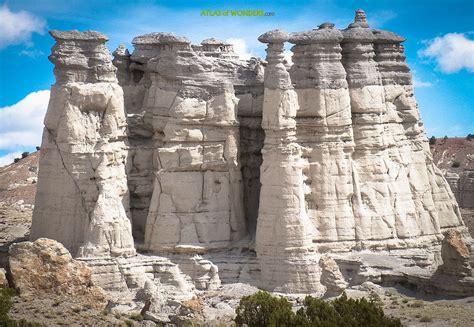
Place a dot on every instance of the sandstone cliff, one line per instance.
(82, 196)
(242, 171)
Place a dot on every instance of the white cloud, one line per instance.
(452, 52)
(240, 47)
(418, 83)
(21, 124)
(32, 53)
(8, 158)
(17, 27)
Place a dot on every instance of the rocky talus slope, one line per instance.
(178, 173)
(455, 158)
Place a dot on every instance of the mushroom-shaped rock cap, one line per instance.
(121, 51)
(275, 36)
(387, 37)
(326, 25)
(213, 41)
(160, 38)
(326, 33)
(360, 18)
(78, 36)
(358, 35)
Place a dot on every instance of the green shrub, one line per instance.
(5, 305)
(25, 154)
(432, 140)
(136, 317)
(263, 309)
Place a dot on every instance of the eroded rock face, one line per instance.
(197, 195)
(455, 255)
(45, 266)
(283, 239)
(241, 170)
(82, 196)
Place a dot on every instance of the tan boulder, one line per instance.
(3, 278)
(46, 266)
(455, 255)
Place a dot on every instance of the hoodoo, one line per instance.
(182, 163)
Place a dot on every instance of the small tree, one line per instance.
(38, 148)
(263, 309)
(16, 160)
(432, 140)
(25, 154)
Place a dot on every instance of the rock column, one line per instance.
(324, 131)
(82, 197)
(425, 202)
(197, 198)
(373, 201)
(284, 232)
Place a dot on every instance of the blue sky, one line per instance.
(439, 47)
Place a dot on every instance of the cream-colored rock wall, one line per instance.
(82, 195)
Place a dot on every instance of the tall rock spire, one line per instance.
(324, 131)
(284, 233)
(82, 196)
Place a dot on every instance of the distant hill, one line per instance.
(18, 181)
(448, 153)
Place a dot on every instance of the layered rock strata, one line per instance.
(431, 201)
(287, 260)
(82, 194)
(244, 171)
(197, 196)
(324, 132)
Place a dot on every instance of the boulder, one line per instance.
(46, 266)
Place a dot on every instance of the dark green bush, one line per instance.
(432, 140)
(25, 154)
(5, 305)
(263, 309)
(456, 164)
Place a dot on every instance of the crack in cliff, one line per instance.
(84, 204)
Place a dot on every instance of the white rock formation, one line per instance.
(346, 173)
(82, 197)
(324, 131)
(197, 196)
(287, 260)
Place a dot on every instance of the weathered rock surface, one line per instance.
(3, 278)
(331, 276)
(455, 255)
(283, 240)
(242, 171)
(82, 196)
(455, 158)
(45, 266)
